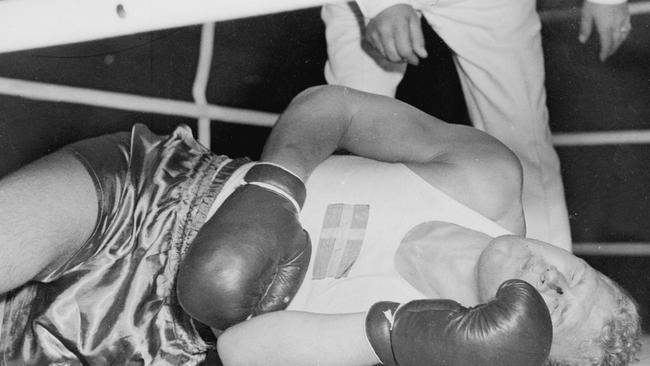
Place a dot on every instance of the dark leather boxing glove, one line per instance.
(252, 255)
(514, 329)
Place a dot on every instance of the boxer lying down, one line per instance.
(138, 248)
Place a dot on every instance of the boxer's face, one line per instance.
(578, 297)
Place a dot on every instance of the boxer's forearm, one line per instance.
(297, 338)
(321, 120)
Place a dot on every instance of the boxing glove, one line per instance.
(514, 329)
(251, 256)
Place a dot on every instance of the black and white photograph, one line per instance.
(325, 183)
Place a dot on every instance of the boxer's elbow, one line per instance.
(505, 176)
(323, 103)
(320, 94)
(498, 165)
(495, 173)
(507, 170)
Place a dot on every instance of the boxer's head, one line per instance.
(595, 322)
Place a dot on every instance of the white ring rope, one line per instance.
(27, 24)
(627, 137)
(637, 249)
(201, 82)
(130, 102)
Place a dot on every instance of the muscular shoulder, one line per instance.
(487, 178)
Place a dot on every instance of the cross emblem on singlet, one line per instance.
(341, 237)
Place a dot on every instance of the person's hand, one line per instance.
(397, 34)
(612, 23)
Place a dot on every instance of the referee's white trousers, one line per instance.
(498, 54)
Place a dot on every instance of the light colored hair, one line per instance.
(619, 337)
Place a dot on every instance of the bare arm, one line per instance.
(297, 338)
(466, 163)
(323, 119)
(47, 211)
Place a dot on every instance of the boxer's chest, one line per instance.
(357, 217)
